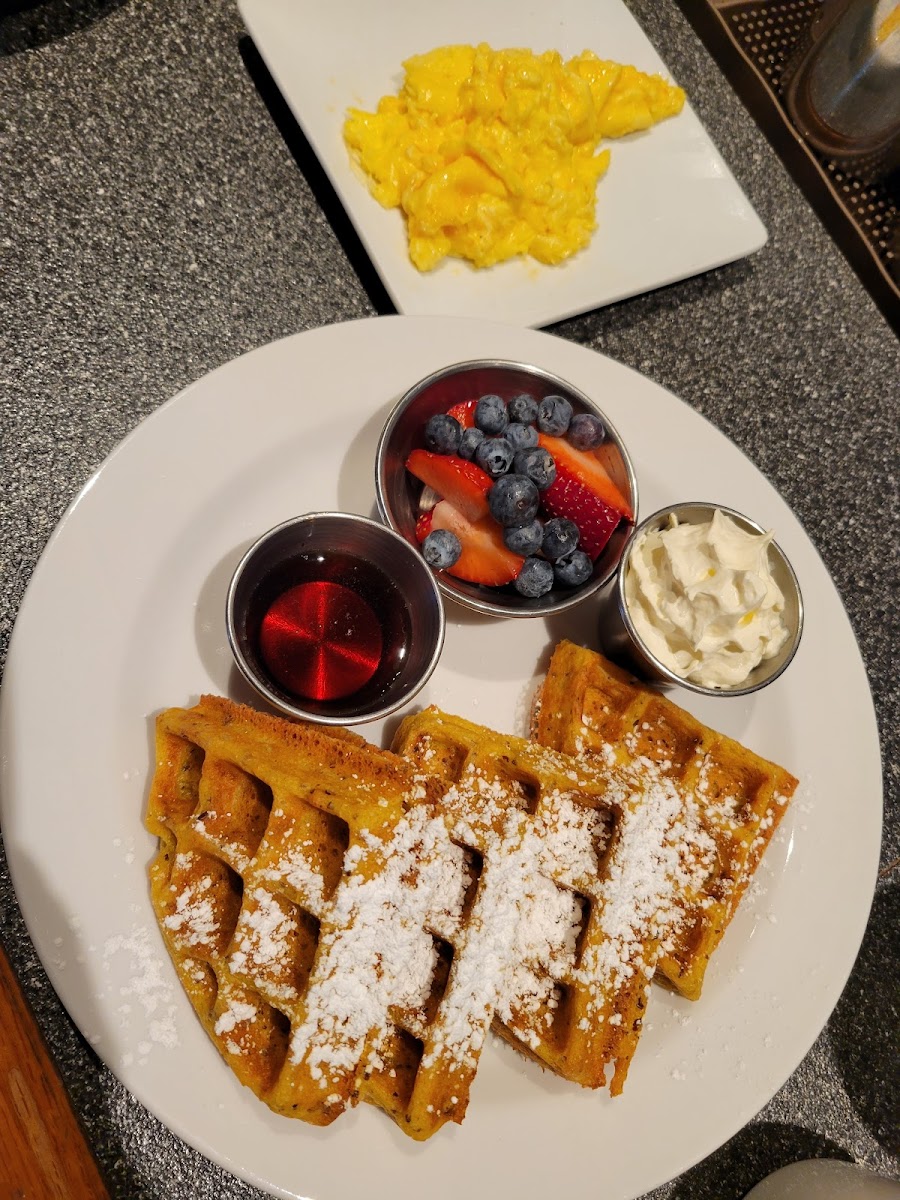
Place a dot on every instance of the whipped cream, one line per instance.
(703, 600)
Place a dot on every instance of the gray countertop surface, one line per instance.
(160, 214)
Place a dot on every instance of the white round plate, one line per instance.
(125, 616)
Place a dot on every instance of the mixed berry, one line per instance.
(522, 499)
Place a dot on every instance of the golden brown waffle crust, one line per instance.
(615, 853)
(592, 708)
(613, 845)
(258, 819)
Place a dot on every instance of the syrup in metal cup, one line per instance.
(398, 493)
(621, 641)
(334, 618)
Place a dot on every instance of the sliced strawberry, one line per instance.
(588, 470)
(464, 412)
(463, 483)
(567, 497)
(423, 526)
(484, 558)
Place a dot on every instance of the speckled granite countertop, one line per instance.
(156, 222)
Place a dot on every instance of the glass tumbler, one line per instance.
(842, 88)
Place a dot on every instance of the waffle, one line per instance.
(299, 876)
(350, 922)
(584, 873)
(592, 709)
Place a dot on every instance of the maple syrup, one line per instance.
(323, 628)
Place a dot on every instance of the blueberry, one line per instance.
(468, 443)
(586, 431)
(521, 437)
(554, 415)
(523, 408)
(573, 568)
(494, 455)
(524, 539)
(560, 537)
(535, 578)
(514, 500)
(537, 464)
(442, 433)
(491, 415)
(441, 549)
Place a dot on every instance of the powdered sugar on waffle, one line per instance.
(660, 857)
(295, 869)
(523, 930)
(624, 856)
(375, 952)
(265, 926)
(194, 921)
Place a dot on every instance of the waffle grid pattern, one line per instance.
(349, 923)
(250, 864)
(588, 705)
(549, 1007)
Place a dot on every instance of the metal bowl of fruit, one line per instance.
(514, 485)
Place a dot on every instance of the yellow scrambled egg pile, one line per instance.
(495, 153)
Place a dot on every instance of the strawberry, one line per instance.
(587, 469)
(423, 526)
(567, 497)
(463, 483)
(484, 558)
(464, 412)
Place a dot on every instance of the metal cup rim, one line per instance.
(259, 683)
(526, 608)
(663, 673)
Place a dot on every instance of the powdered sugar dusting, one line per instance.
(295, 869)
(194, 921)
(660, 857)
(261, 939)
(146, 992)
(535, 878)
(374, 952)
(235, 1014)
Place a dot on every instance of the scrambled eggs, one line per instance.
(494, 153)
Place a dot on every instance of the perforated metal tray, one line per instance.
(753, 43)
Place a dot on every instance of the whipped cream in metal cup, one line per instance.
(620, 626)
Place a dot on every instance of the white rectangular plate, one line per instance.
(667, 208)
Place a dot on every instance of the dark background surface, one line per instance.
(161, 213)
